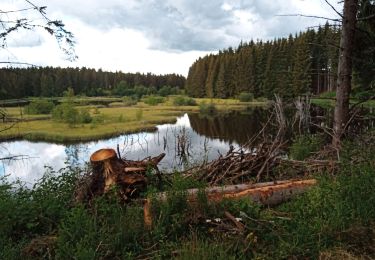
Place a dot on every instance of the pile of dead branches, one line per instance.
(262, 163)
(239, 166)
(262, 159)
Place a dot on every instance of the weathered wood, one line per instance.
(134, 169)
(103, 160)
(267, 193)
(344, 79)
(239, 225)
(109, 170)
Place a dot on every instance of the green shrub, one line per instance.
(84, 116)
(167, 90)
(67, 113)
(207, 109)
(96, 120)
(184, 101)
(303, 146)
(153, 100)
(39, 106)
(129, 101)
(26, 213)
(245, 97)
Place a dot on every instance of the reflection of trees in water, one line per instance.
(73, 152)
(232, 127)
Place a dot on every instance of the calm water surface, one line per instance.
(206, 139)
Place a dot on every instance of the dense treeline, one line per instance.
(49, 81)
(306, 62)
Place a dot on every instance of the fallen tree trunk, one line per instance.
(267, 193)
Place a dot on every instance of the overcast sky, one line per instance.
(158, 36)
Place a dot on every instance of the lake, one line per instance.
(204, 139)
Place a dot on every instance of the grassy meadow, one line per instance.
(113, 119)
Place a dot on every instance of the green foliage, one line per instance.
(323, 213)
(153, 100)
(67, 113)
(328, 94)
(207, 109)
(69, 93)
(121, 89)
(107, 230)
(39, 106)
(337, 212)
(84, 116)
(245, 97)
(199, 248)
(96, 120)
(167, 90)
(184, 101)
(129, 101)
(53, 82)
(364, 95)
(26, 213)
(303, 146)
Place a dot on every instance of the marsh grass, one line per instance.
(106, 121)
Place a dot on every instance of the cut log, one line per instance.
(267, 193)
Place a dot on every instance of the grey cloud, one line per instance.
(182, 25)
(24, 39)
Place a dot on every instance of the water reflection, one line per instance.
(201, 138)
(200, 144)
(236, 127)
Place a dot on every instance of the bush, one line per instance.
(167, 90)
(153, 100)
(67, 113)
(245, 97)
(184, 101)
(304, 145)
(29, 213)
(207, 109)
(39, 106)
(84, 116)
(129, 101)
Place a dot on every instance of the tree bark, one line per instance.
(344, 79)
(266, 193)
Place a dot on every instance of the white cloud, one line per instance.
(159, 36)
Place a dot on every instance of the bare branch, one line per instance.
(334, 9)
(16, 11)
(56, 28)
(14, 158)
(366, 18)
(18, 63)
(361, 102)
(311, 16)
